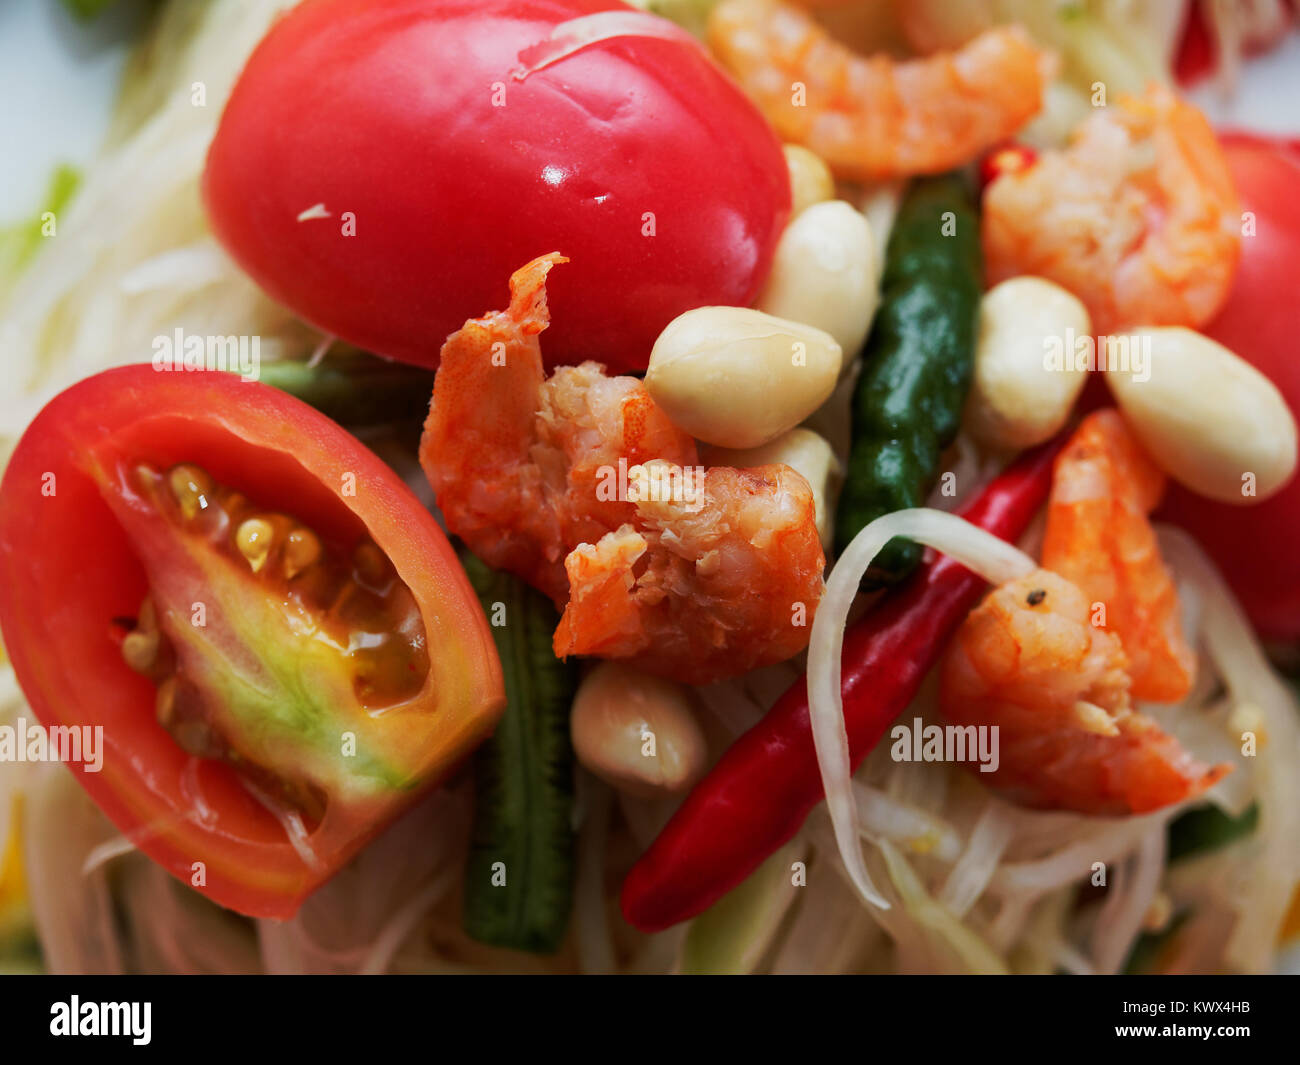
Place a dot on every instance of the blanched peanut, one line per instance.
(824, 274)
(805, 452)
(1018, 397)
(879, 206)
(738, 378)
(810, 178)
(1214, 422)
(636, 732)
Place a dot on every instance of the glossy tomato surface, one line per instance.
(635, 156)
(1258, 547)
(68, 569)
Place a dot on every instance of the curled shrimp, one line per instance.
(704, 589)
(1098, 537)
(874, 118)
(515, 459)
(580, 485)
(1137, 217)
(1029, 661)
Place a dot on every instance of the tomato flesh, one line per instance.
(77, 553)
(439, 172)
(268, 671)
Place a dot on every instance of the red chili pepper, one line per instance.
(758, 795)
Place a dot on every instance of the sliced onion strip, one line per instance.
(985, 554)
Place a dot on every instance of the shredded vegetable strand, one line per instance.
(1074, 861)
(390, 937)
(1042, 938)
(73, 914)
(279, 951)
(1119, 927)
(105, 852)
(973, 951)
(973, 871)
(884, 816)
(827, 930)
(1009, 924)
(1267, 704)
(134, 257)
(982, 552)
(595, 947)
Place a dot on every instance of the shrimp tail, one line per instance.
(528, 308)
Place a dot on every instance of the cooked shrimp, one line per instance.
(1098, 537)
(1137, 217)
(1029, 661)
(514, 459)
(873, 118)
(694, 575)
(705, 588)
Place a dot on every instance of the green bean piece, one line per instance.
(519, 875)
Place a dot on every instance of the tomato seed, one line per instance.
(191, 486)
(302, 548)
(140, 650)
(255, 538)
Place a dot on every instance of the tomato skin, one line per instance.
(386, 110)
(67, 569)
(1255, 546)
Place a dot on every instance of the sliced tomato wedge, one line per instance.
(271, 631)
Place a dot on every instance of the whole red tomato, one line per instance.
(380, 170)
(1257, 546)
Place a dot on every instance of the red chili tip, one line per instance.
(631, 902)
(646, 904)
(1008, 159)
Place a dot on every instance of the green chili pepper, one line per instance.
(519, 876)
(917, 364)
